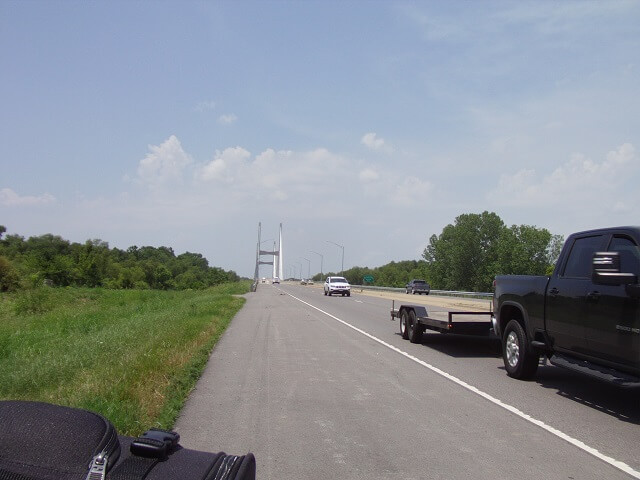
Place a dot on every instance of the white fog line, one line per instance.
(577, 443)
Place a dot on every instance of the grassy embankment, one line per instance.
(133, 356)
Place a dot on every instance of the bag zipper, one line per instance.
(108, 455)
(98, 467)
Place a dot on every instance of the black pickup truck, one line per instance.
(585, 317)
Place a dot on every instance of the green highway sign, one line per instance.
(368, 278)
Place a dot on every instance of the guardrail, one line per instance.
(442, 293)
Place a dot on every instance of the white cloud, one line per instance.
(227, 119)
(9, 198)
(411, 192)
(226, 165)
(301, 174)
(297, 185)
(303, 178)
(434, 28)
(562, 17)
(368, 175)
(164, 164)
(269, 176)
(554, 125)
(204, 106)
(571, 183)
(625, 154)
(621, 207)
(371, 141)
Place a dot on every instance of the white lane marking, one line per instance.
(575, 442)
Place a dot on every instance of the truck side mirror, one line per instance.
(605, 270)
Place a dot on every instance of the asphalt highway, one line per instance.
(324, 387)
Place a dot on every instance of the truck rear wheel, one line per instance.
(403, 325)
(415, 330)
(520, 360)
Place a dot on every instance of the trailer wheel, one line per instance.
(414, 329)
(403, 325)
(520, 360)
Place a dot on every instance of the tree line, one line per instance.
(468, 254)
(54, 261)
(465, 256)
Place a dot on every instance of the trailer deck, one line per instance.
(414, 319)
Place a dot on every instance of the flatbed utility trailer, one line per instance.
(414, 320)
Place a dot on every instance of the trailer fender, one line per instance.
(419, 310)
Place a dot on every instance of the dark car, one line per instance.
(418, 286)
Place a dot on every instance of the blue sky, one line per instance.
(369, 124)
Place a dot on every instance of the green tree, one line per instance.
(216, 276)
(9, 278)
(523, 250)
(163, 279)
(93, 263)
(48, 257)
(13, 246)
(464, 255)
(53, 259)
(131, 277)
(189, 280)
(189, 259)
(355, 275)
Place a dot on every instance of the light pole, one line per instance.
(342, 247)
(308, 267)
(321, 260)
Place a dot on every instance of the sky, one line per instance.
(367, 125)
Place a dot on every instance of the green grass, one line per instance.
(133, 356)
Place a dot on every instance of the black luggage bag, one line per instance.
(41, 441)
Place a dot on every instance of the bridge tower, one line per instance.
(275, 254)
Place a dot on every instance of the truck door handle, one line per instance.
(593, 296)
(554, 291)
